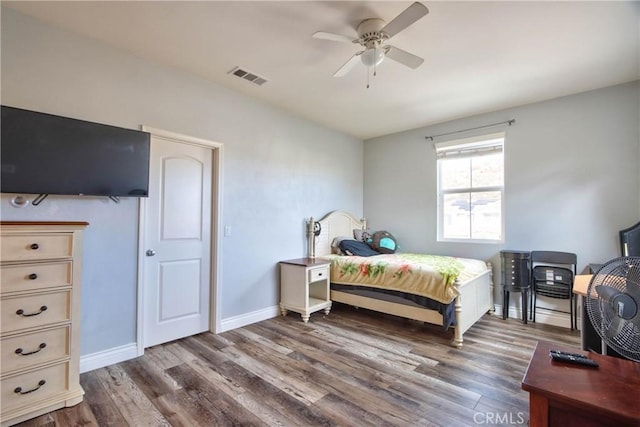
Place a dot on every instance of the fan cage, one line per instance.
(623, 275)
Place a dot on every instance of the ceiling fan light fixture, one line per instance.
(372, 57)
(373, 34)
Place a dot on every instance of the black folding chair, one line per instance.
(552, 276)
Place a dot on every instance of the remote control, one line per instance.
(569, 354)
(571, 359)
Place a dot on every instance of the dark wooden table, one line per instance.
(567, 395)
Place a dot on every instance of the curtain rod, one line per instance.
(508, 122)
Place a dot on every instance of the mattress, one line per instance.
(431, 276)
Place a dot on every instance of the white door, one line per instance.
(177, 242)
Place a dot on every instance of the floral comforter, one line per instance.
(430, 276)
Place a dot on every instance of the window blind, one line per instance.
(474, 146)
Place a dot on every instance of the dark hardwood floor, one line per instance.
(351, 368)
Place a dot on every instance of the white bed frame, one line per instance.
(475, 299)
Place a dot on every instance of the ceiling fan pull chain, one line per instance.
(367, 77)
(375, 63)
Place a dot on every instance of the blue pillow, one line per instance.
(354, 247)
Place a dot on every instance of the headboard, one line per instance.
(333, 224)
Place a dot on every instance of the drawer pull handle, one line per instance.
(21, 352)
(34, 246)
(22, 313)
(19, 389)
(33, 276)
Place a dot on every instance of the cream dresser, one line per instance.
(40, 311)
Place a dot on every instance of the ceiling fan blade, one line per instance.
(347, 66)
(403, 57)
(331, 36)
(405, 19)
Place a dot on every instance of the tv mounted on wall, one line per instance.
(630, 240)
(46, 154)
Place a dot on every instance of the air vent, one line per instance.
(248, 75)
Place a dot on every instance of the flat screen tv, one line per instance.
(630, 241)
(47, 154)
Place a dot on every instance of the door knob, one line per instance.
(151, 252)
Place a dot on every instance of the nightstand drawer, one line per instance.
(34, 276)
(318, 274)
(26, 350)
(20, 247)
(28, 388)
(35, 310)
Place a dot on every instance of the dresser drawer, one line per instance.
(36, 310)
(18, 247)
(25, 350)
(27, 277)
(29, 388)
(318, 274)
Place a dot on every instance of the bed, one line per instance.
(467, 297)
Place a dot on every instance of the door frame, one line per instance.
(217, 150)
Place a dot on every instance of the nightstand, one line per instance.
(304, 286)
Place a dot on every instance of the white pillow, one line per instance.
(362, 235)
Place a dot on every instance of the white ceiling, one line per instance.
(479, 56)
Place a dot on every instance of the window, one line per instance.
(471, 189)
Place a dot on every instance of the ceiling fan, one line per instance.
(373, 34)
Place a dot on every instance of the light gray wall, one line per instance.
(572, 178)
(278, 169)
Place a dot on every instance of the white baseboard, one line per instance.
(546, 317)
(115, 355)
(108, 357)
(249, 318)
(122, 353)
